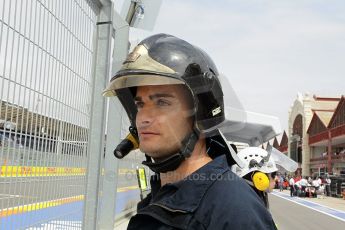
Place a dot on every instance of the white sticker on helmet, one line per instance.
(216, 111)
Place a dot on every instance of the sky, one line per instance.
(270, 50)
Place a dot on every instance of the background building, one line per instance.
(316, 134)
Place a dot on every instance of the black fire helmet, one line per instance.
(163, 59)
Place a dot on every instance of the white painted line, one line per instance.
(297, 198)
(9, 195)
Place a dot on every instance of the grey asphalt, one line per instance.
(289, 215)
(16, 191)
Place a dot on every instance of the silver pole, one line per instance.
(101, 67)
(107, 210)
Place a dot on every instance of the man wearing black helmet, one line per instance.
(172, 95)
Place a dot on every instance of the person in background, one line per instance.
(298, 187)
(281, 182)
(319, 180)
(304, 183)
(310, 181)
(328, 185)
(316, 182)
(260, 169)
(292, 186)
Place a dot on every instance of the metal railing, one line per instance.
(57, 166)
(47, 53)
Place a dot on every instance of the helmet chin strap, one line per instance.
(173, 162)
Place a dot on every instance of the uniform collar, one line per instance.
(185, 195)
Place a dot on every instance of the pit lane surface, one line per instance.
(298, 213)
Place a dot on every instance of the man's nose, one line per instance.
(145, 117)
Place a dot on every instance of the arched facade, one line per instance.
(300, 116)
(297, 134)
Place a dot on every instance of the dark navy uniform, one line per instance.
(212, 197)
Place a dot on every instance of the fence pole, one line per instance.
(109, 189)
(100, 68)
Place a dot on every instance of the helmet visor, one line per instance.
(284, 161)
(137, 80)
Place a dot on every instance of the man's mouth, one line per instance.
(148, 133)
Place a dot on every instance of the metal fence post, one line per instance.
(101, 66)
(109, 188)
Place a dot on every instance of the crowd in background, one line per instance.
(304, 186)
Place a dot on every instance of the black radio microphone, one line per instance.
(128, 144)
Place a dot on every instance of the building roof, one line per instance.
(324, 103)
(337, 112)
(284, 140)
(317, 98)
(325, 116)
(27, 122)
(316, 125)
(275, 143)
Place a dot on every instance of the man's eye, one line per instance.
(161, 102)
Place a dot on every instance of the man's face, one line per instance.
(163, 119)
(272, 177)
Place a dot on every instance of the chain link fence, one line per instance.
(46, 59)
